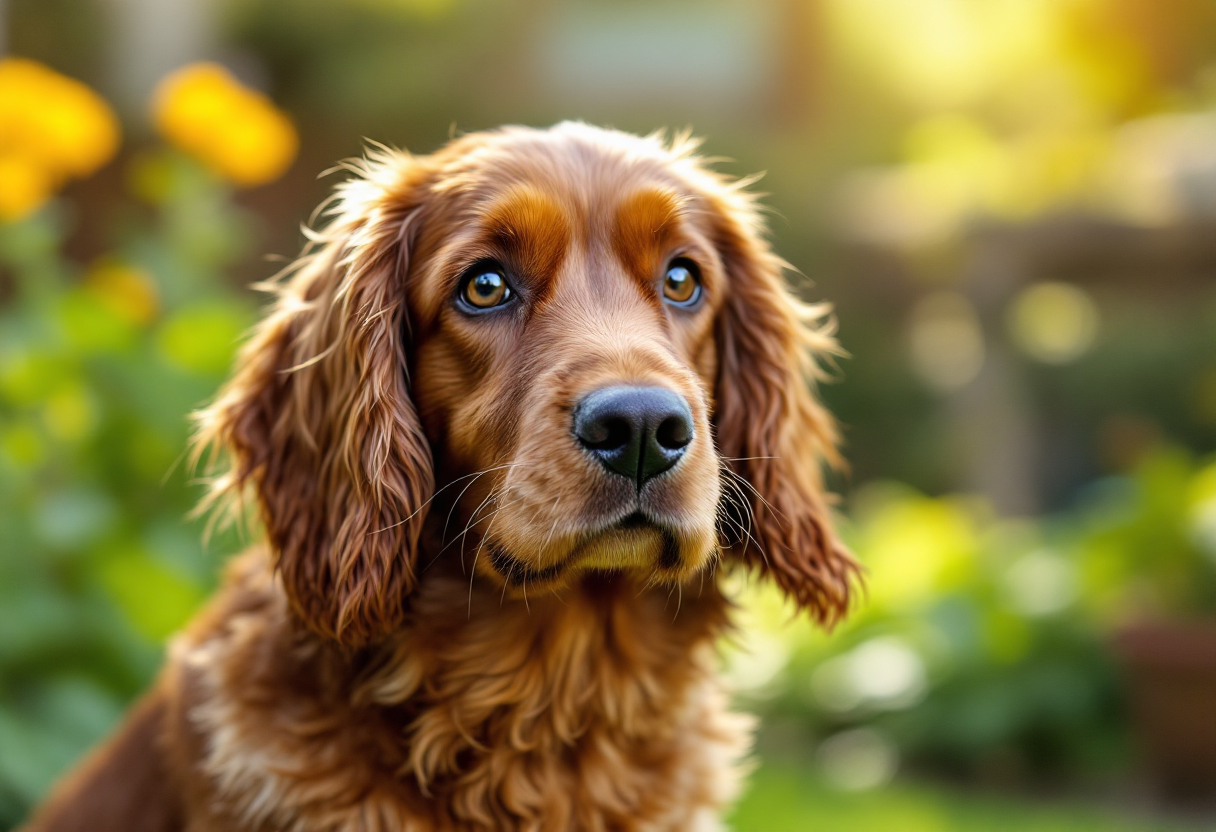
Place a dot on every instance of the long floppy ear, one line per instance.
(770, 428)
(318, 419)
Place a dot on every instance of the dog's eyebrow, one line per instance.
(530, 228)
(645, 223)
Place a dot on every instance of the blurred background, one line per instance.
(1012, 204)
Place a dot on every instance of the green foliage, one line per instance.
(1149, 541)
(787, 798)
(983, 647)
(99, 367)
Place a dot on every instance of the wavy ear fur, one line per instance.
(771, 429)
(318, 420)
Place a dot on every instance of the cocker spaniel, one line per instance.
(509, 417)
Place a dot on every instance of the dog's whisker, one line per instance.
(776, 514)
(734, 480)
(473, 571)
(506, 583)
(553, 590)
(473, 520)
(553, 528)
(460, 496)
(494, 497)
(440, 490)
(744, 504)
(499, 506)
(460, 538)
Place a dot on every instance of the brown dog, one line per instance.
(582, 338)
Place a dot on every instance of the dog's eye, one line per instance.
(485, 286)
(682, 283)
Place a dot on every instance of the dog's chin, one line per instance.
(628, 547)
(633, 545)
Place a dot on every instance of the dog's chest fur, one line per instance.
(596, 711)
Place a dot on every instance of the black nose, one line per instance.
(637, 432)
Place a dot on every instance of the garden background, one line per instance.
(1011, 203)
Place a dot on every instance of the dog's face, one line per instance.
(556, 351)
(564, 362)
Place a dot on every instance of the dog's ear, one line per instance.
(317, 417)
(771, 430)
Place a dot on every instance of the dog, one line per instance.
(511, 415)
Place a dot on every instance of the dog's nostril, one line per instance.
(606, 434)
(674, 432)
(637, 432)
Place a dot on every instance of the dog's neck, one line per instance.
(536, 673)
(498, 683)
(477, 694)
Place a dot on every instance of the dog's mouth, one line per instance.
(636, 520)
(632, 542)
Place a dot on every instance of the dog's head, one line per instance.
(552, 351)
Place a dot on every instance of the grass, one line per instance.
(784, 798)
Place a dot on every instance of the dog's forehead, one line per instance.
(587, 177)
(563, 207)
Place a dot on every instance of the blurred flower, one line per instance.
(126, 291)
(52, 128)
(236, 131)
(946, 340)
(23, 186)
(1053, 322)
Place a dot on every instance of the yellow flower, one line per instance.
(127, 291)
(234, 130)
(24, 185)
(52, 128)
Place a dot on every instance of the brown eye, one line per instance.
(682, 283)
(485, 287)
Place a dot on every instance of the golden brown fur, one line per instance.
(503, 652)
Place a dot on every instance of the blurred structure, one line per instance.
(148, 40)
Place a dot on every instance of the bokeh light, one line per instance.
(1053, 322)
(859, 759)
(946, 340)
